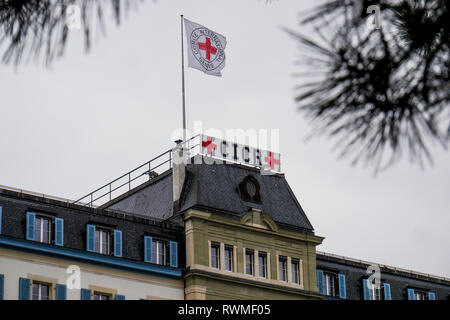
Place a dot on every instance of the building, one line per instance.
(347, 278)
(173, 229)
(237, 245)
(41, 239)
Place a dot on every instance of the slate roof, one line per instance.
(153, 198)
(215, 187)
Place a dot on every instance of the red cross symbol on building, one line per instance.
(271, 160)
(208, 48)
(209, 145)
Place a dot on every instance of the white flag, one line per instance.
(206, 48)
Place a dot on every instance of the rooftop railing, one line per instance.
(427, 275)
(139, 175)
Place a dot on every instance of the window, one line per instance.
(331, 284)
(159, 252)
(40, 291)
(372, 291)
(282, 265)
(420, 295)
(215, 255)
(262, 263)
(415, 294)
(228, 258)
(102, 241)
(43, 229)
(101, 296)
(249, 262)
(295, 269)
(376, 293)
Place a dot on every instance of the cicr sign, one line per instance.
(239, 153)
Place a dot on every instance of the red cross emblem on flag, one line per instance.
(209, 145)
(208, 48)
(271, 160)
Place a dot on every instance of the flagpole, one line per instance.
(182, 81)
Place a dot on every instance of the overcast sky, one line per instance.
(92, 117)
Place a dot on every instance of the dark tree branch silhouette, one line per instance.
(38, 29)
(378, 91)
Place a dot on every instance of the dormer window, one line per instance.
(102, 241)
(43, 229)
(159, 252)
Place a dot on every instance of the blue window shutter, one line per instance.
(117, 243)
(31, 216)
(2, 287)
(387, 291)
(173, 254)
(119, 297)
(1, 219)
(24, 288)
(320, 281)
(342, 288)
(59, 231)
(366, 290)
(411, 295)
(90, 238)
(61, 292)
(431, 296)
(86, 294)
(148, 249)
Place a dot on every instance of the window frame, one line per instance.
(228, 251)
(101, 294)
(40, 237)
(156, 253)
(251, 261)
(376, 294)
(263, 255)
(282, 260)
(41, 284)
(418, 292)
(296, 270)
(332, 279)
(215, 259)
(108, 233)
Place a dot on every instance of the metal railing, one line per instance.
(427, 275)
(137, 176)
